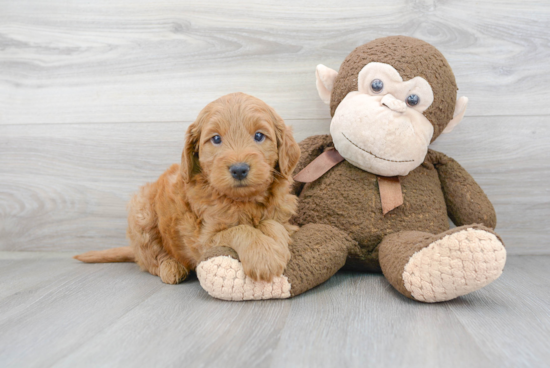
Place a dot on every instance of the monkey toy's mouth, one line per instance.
(372, 154)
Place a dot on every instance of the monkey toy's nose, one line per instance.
(393, 103)
(239, 171)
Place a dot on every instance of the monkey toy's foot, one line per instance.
(222, 276)
(435, 268)
(318, 251)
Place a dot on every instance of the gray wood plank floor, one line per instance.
(95, 98)
(57, 312)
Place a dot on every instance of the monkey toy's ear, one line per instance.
(325, 82)
(460, 109)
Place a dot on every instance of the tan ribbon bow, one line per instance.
(391, 195)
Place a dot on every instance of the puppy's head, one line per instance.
(239, 144)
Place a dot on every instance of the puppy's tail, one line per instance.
(122, 254)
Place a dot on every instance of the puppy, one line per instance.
(232, 189)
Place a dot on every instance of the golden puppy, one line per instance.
(232, 189)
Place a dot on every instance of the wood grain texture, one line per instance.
(60, 313)
(65, 187)
(370, 324)
(517, 310)
(139, 61)
(95, 98)
(117, 316)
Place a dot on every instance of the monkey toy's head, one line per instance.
(391, 98)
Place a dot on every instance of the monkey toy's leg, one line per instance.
(436, 268)
(317, 253)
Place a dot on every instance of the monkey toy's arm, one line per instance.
(310, 149)
(466, 202)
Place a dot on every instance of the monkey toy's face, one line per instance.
(380, 128)
(382, 125)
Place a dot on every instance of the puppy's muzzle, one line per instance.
(239, 171)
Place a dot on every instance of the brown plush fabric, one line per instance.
(397, 249)
(319, 252)
(219, 251)
(466, 202)
(348, 198)
(414, 58)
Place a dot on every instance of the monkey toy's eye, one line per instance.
(377, 85)
(259, 137)
(216, 140)
(413, 100)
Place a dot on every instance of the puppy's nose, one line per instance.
(239, 171)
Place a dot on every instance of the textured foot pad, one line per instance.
(455, 265)
(223, 278)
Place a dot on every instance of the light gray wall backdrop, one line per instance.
(95, 97)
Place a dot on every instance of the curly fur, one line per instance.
(197, 205)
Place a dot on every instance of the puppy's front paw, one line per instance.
(265, 259)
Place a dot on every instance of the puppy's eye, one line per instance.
(259, 137)
(377, 85)
(413, 100)
(216, 140)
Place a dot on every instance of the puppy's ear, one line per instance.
(289, 151)
(190, 156)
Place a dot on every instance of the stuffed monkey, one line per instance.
(372, 196)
